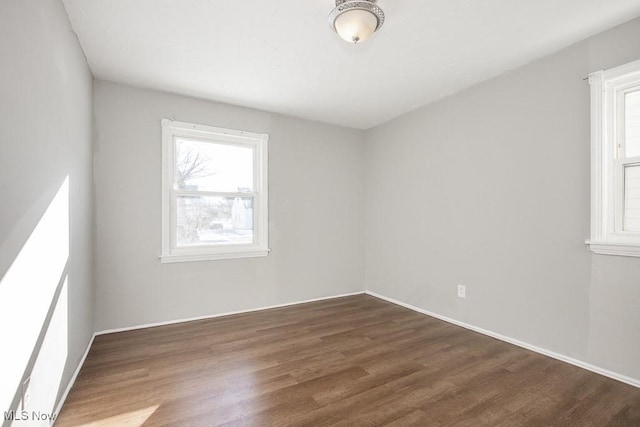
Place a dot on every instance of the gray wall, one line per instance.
(490, 188)
(45, 137)
(315, 225)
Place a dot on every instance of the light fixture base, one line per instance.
(343, 6)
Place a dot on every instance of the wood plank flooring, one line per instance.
(347, 361)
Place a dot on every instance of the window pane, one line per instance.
(632, 198)
(205, 220)
(632, 123)
(208, 166)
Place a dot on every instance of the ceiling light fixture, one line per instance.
(355, 21)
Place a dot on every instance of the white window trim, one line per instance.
(170, 254)
(607, 238)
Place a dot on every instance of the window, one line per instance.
(615, 161)
(214, 195)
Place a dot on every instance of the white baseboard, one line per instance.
(579, 363)
(73, 379)
(212, 316)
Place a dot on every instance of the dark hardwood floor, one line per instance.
(348, 361)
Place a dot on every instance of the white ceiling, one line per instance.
(280, 55)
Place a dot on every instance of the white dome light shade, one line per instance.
(356, 25)
(356, 20)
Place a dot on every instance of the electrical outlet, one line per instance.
(462, 291)
(26, 393)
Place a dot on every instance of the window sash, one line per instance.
(618, 89)
(619, 116)
(620, 196)
(217, 140)
(174, 220)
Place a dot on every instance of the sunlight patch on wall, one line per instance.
(46, 375)
(27, 291)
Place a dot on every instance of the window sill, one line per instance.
(168, 259)
(615, 248)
